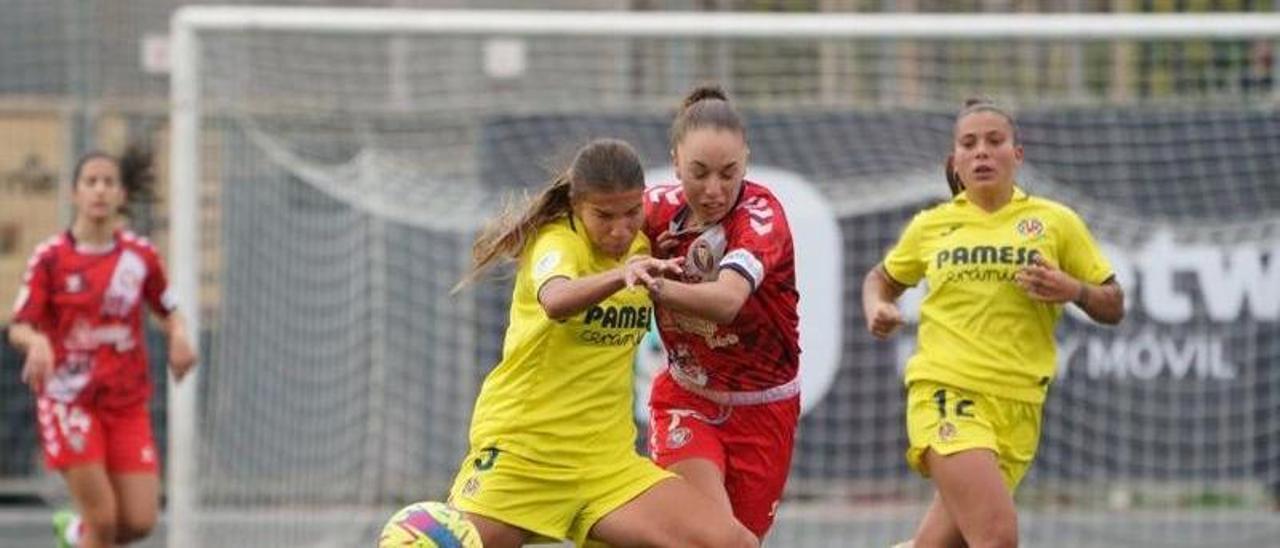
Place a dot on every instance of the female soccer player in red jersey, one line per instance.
(78, 319)
(552, 436)
(725, 410)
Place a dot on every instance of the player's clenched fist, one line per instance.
(884, 319)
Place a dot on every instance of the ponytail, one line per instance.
(953, 177)
(137, 175)
(504, 237)
(702, 93)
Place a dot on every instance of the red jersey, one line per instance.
(88, 302)
(760, 348)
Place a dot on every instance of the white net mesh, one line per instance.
(343, 177)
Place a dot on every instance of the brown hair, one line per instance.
(705, 106)
(136, 174)
(603, 165)
(974, 105)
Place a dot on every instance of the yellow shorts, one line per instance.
(554, 502)
(949, 420)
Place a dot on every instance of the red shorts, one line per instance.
(73, 434)
(750, 443)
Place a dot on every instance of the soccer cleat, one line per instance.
(63, 521)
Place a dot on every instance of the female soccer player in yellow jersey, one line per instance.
(1000, 264)
(552, 436)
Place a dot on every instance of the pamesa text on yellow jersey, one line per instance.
(978, 329)
(563, 390)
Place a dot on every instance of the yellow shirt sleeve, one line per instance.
(1079, 253)
(905, 262)
(556, 252)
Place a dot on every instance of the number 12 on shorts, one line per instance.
(962, 408)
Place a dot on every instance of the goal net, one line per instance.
(331, 168)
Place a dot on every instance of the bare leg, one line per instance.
(137, 502)
(975, 498)
(937, 529)
(706, 477)
(96, 501)
(688, 518)
(497, 534)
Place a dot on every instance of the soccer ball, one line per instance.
(429, 524)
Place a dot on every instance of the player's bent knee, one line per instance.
(134, 530)
(135, 524)
(125, 535)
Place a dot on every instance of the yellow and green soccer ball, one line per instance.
(429, 524)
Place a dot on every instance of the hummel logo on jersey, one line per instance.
(759, 215)
(75, 282)
(670, 194)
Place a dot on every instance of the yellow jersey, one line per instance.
(562, 393)
(978, 329)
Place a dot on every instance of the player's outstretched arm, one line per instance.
(718, 301)
(880, 303)
(562, 297)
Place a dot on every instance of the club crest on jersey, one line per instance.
(702, 261)
(77, 442)
(946, 432)
(471, 487)
(701, 257)
(679, 437)
(1030, 228)
(74, 283)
